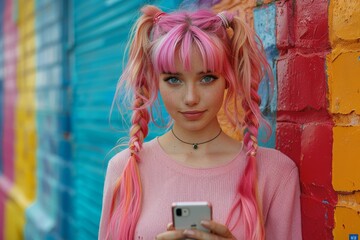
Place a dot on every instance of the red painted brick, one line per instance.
(311, 25)
(288, 140)
(301, 82)
(284, 24)
(316, 164)
(317, 218)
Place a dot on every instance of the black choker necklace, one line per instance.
(195, 145)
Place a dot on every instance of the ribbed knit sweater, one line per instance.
(165, 181)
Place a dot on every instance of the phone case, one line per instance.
(188, 215)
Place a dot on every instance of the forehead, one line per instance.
(195, 62)
(194, 57)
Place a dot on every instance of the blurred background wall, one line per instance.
(59, 64)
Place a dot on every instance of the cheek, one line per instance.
(168, 98)
(216, 97)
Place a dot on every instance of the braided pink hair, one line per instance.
(157, 40)
(137, 76)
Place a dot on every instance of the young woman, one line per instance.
(199, 62)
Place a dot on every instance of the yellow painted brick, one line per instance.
(25, 124)
(346, 158)
(347, 221)
(344, 20)
(14, 221)
(344, 82)
(244, 9)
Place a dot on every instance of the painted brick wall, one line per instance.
(312, 46)
(23, 191)
(10, 38)
(304, 130)
(316, 59)
(343, 64)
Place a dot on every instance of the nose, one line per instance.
(192, 96)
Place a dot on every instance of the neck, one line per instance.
(218, 151)
(197, 134)
(196, 143)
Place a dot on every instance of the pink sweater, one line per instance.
(165, 181)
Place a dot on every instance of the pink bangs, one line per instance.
(182, 41)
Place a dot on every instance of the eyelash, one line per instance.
(168, 79)
(213, 78)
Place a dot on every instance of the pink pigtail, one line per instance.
(139, 78)
(250, 67)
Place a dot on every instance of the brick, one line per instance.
(264, 24)
(301, 82)
(344, 84)
(346, 155)
(288, 140)
(344, 20)
(311, 24)
(316, 163)
(347, 221)
(317, 218)
(243, 9)
(284, 24)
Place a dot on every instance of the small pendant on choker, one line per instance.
(195, 145)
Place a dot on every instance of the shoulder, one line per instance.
(118, 162)
(269, 157)
(116, 165)
(273, 165)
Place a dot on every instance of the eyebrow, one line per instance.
(170, 73)
(199, 73)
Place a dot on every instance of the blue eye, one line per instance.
(173, 80)
(208, 79)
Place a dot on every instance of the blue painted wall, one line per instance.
(100, 32)
(265, 27)
(50, 217)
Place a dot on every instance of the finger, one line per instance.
(173, 235)
(217, 228)
(200, 235)
(170, 227)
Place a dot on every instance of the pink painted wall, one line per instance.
(10, 35)
(10, 38)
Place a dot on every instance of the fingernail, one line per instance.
(189, 232)
(205, 223)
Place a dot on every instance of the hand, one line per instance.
(218, 232)
(171, 234)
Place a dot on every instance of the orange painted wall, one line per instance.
(344, 96)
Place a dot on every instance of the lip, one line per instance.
(192, 115)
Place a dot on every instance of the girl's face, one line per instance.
(192, 98)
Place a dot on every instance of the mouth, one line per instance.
(193, 115)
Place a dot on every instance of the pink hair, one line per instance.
(156, 42)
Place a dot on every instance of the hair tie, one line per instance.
(224, 19)
(158, 16)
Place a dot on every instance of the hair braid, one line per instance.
(248, 184)
(138, 77)
(128, 190)
(250, 64)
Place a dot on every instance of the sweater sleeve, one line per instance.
(106, 203)
(114, 170)
(284, 216)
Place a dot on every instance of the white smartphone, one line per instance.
(188, 215)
